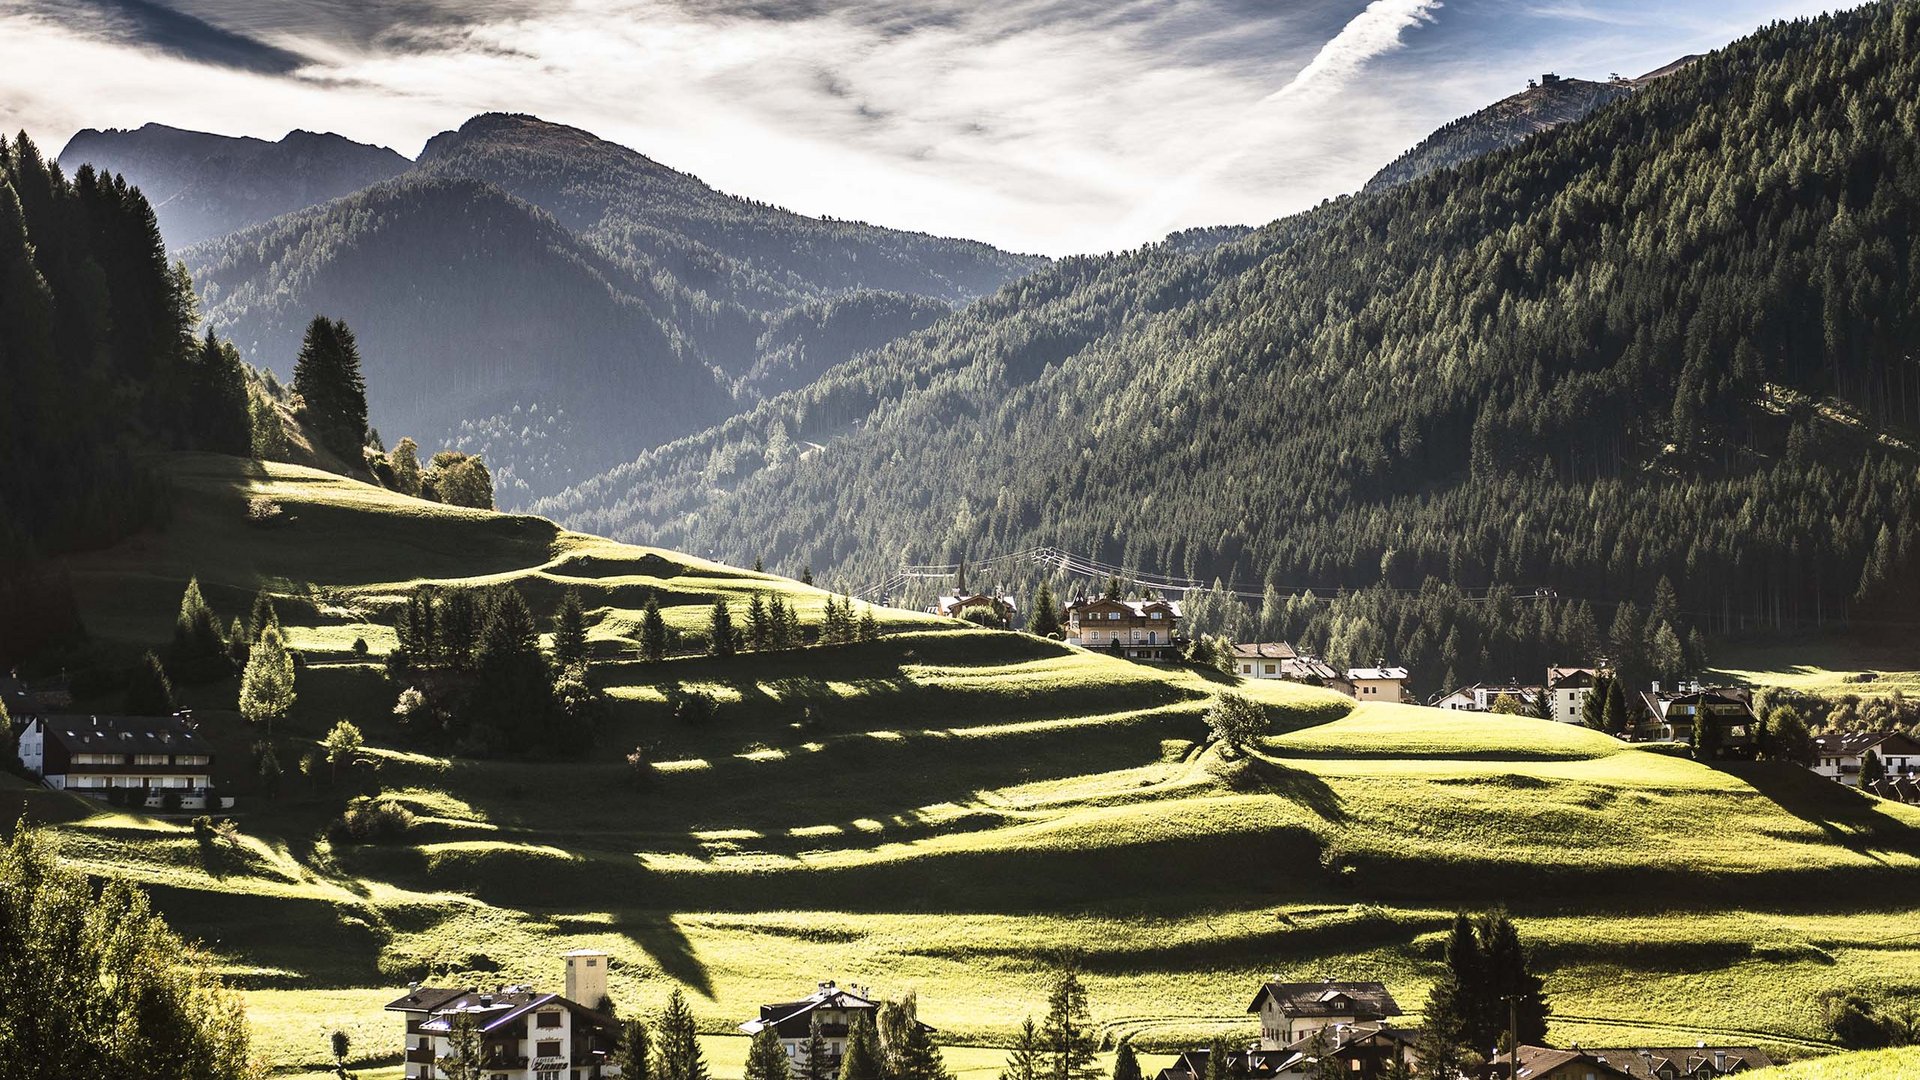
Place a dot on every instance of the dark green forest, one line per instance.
(1501, 124)
(1673, 340)
(100, 365)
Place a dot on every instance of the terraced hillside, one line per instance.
(945, 809)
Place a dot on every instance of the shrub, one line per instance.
(263, 512)
(360, 647)
(695, 707)
(1859, 1024)
(372, 821)
(170, 802)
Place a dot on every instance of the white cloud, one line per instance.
(1040, 125)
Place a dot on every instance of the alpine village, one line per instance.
(523, 612)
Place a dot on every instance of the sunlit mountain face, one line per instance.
(1047, 126)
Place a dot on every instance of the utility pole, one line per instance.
(1513, 1035)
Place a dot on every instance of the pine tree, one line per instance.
(464, 1050)
(765, 1059)
(1116, 589)
(677, 1053)
(199, 650)
(569, 631)
(779, 624)
(513, 688)
(1220, 1063)
(1126, 1064)
(908, 1048)
(1614, 716)
(1455, 1012)
(1872, 769)
(862, 1060)
(1068, 1031)
(1593, 707)
(1043, 612)
(1026, 1061)
(326, 375)
(457, 622)
(817, 1064)
(149, 691)
(634, 1056)
(759, 631)
(1514, 992)
(869, 626)
(219, 405)
(720, 632)
(262, 615)
(653, 631)
(266, 686)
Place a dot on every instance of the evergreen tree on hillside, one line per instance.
(1514, 992)
(94, 983)
(1068, 1033)
(1220, 1062)
(780, 626)
(908, 1050)
(634, 1056)
(405, 462)
(1593, 707)
(512, 696)
(1456, 1012)
(149, 690)
(765, 1059)
(1126, 1064)
(465, 1058)
(219, 401)
(868, 628)
(1614, 717)
(721, 639)
(459, 619)
(653, 631)
(677, 1051)
(261, 615)
(815, 1064)
(1027, 1059)
(862, 1060)
(1043, 612)
(199, 650)
(759, 631)
(1872, 769)
(333, 395)
(569, 630)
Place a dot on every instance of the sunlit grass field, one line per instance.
(1900, 1064)
(1827, 668)
(947, 810)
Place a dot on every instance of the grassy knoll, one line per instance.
(947, 808)
(1826, 667)
(1901, 1064)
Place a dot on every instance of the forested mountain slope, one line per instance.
(483, 325)
(1671, 340)
(203, 185)
(559, 304)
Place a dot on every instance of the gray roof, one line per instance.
(122, 734)
(1361, 1000)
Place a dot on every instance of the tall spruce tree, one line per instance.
(634, 1056)
(677, 1051)
(1027, 1059)
(759, 631)
(512, 698)
(907, 1045)
(333, 394)
(266, 686)
(720, 632)
(149, 690)
(1514, 992)
(653, 631)
(1126, 1064)
(569, 630)
(1043, 612)
(1068, 1032)
(199, 650)
(816, 1063)
(765, 1059)
(1456, 1003)
(862, 1061)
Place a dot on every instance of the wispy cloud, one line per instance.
(1050, 125)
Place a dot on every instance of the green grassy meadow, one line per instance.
(1826, 667)
(943, 811)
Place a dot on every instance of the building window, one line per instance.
(548, 1020)
(1270, 669)
(1114, 615)
(549, 1048)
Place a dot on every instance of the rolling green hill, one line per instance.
(944, 809)
(1667, 340)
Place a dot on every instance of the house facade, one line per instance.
(1567, 689)
(1292, 1011)
(524, 1034)
(1480, 697)
(1005, 607)
(832, 1008)
(1840, 755)
(1378, 683)
(1665, 717)
(1135, 629)
(1264, 660)
(154, 762)
(1547, 1063)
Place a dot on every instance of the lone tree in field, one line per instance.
(634, 1056)
(149, 691)
(569, 631)
(653, 631)
(340, 745)
(333, 393)
(1025, 1063)
(1045, 618)
(341, 1045)
(458, 479)
(266, 686)
(95, 984)
(1236, 721)
(765, 1059)
(678, 1055)
(1068, 1033)
(720, 634)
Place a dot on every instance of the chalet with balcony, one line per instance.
(153, 762)
(831, 1010)
(1292, 1011)
(1135, 629)
(1840, 755)
(1666, 717)
(1003, 607)
(524, 1034)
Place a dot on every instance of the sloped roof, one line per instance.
(490, 1009)
(1328, 998)
(1856, 743)
(1265, 650)
(1376, 673)
(123, 734)
(794, 1019)
(1537, 1061)
(1640, 1062)
(1577, 676)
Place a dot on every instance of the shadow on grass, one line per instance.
(1847, 817)
(1264, 775)
(669, 947)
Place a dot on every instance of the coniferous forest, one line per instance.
(1671, 341)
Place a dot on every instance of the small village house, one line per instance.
(1567, 689)
(1304, 1024)
(831, 1007)
(1263, 660)
(1480, 697)
(524, 1034)
(1840, 755)
(1135, 629)
(154, 762)
(1671, 717)
(1005, 608)
(1546, 1063)
(1377, 683)
(1291, 1011)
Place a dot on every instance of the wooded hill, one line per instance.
(203, 185)
(1670, 340)
(557, 303)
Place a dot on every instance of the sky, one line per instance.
(1047, 126)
